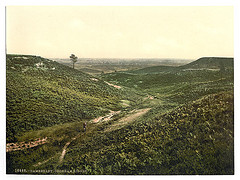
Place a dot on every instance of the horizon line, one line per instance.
(167, 58)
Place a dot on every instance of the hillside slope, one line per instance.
(204, 63)
(196, 138)
(154, 69)
(42, 93)
(210, 63)
(176, 87)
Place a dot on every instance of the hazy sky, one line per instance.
(187, 32)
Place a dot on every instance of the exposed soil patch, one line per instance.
(118, 87)
(105, 118)
(127, 119)
(65, 148)
(25, 145)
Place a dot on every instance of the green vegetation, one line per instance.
(178, 84)
(188, 140)
(189, 129)
(42, 93)
(210, 63)
(108, 65)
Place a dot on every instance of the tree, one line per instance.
(73, 59)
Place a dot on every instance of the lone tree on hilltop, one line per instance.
(73, 58)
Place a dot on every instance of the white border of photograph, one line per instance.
(5, 3)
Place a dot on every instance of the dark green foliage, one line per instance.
(88, 70)
(58, 136)
(42, 93)
(210, 63)
(154, 70)
(193, 139)
(178, 86)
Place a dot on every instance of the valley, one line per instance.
(168, 118)
(97, 66)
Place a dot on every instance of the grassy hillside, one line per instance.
(196, 138)
(177, 84)
(153, 69)
(90, 71)
(207, 63)
(210, 63)
(42, 93)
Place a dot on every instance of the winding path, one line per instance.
(102, 118)
(120, 123)
(65, 148)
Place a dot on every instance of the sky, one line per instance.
(186, 32)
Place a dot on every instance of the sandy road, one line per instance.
(105, 118)
(127, 119)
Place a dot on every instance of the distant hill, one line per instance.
(210, 63)
(109, 65)
(154, 69)
(207, 63)
(42, 93)
(88, 70)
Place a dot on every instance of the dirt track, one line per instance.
(118, 124)
(65, 148)
(113, 85)
(127, 119)
(23, 145)
(105, 118)
(123, 121)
